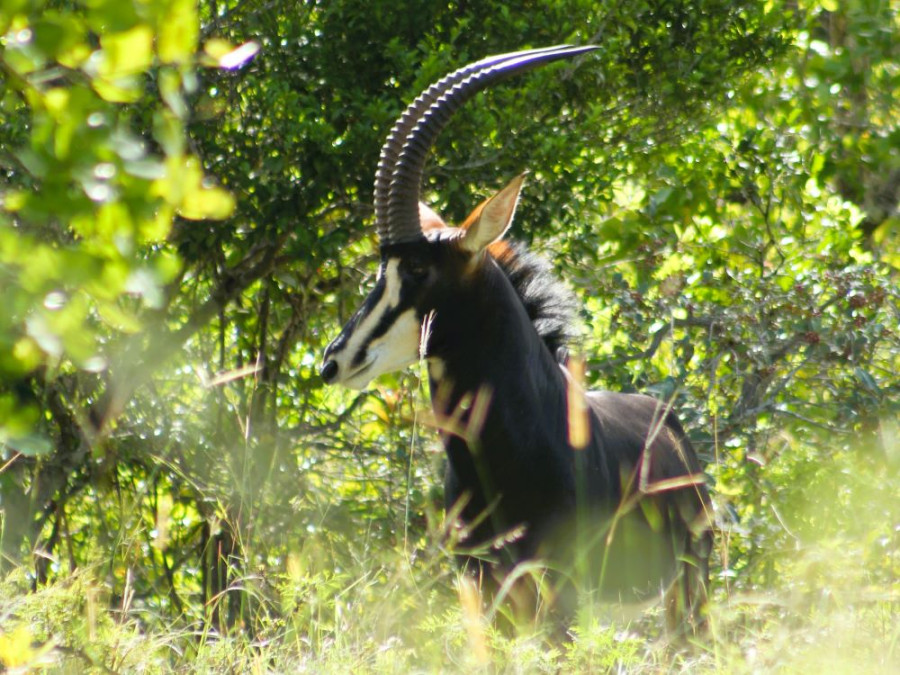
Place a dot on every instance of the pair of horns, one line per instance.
(402, 162)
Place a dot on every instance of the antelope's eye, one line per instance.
(417, 269)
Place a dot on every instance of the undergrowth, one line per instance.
(820, 593)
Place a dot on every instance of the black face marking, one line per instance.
(388, 318)
(341, 340)
(384, 334)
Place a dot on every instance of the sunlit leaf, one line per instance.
(122, 90)
(179, 31)
(16, 647)
(126, 53)
(213, 203)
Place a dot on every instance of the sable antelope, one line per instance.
(489, 319)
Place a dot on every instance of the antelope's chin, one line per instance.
(357, 382)
(360, 377)
(382, 364)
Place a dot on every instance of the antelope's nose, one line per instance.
(329, 371)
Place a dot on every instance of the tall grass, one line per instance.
(807, 580)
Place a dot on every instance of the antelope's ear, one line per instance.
(492, 218)
(429, 220)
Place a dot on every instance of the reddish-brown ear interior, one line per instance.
(492, 218)
(498, 249)
(474, 216)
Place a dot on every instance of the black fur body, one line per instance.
(520, 482)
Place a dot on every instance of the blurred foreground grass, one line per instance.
(821, 595)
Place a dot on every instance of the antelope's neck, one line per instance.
(493, 381)
(500, 399)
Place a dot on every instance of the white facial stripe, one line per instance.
(389, 299)
(396, 349)
(392, 282)
(360, 334)
(399, 346)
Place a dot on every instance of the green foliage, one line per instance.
(89, 196)
(185, 219)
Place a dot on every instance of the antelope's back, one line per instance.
(661, 514)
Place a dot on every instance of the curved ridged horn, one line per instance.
(401, 221)
(392, 147)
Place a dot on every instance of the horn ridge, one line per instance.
(402, 218)
(405, 128)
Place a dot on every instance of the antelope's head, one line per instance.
(424, 263)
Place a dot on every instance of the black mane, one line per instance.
(551, 306)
